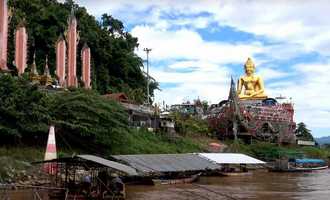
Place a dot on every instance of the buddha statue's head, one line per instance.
(249, 67)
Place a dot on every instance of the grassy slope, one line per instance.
(143, 142)
(15, 159)
(267, 151)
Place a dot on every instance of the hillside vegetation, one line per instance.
(82, 118)
(115, 66)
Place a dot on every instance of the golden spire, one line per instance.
(46, 71)
(46, 78)
(34, 70)
(34, 75)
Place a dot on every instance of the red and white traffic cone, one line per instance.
(50, 152)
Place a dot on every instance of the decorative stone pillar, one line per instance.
(60, 60)
(20, 48)
(86, 66)
(72, 51)
(3, 34)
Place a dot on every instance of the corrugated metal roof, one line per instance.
(231, 158)
(114, 165)
(87, 160)
(156, 163)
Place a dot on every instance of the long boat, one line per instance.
(309, 168)
(190, 179)
(235, 173)
(300, 165)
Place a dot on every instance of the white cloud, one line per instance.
(309, 94)
(193, 65)
(217, 76)
(190, 91)
(269, 73)
(303, 22)
(188, 44)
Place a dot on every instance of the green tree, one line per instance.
(23, 109)
(303, 132)
(188, 125)
(205, 105)
(115, 66)
(83, 119)
(84, 116)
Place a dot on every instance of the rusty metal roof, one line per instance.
(160, 163)
(91, 161)
(114, 165)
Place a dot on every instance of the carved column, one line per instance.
(3, 34)
(60, 60)
(72, 52)
(20, 48)
(86, 66)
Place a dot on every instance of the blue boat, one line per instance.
(307, 164)
(299, 165)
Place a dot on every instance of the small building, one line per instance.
(188, 108)
(119, 97)
(166, 124)
(305, 143)
(138, 115)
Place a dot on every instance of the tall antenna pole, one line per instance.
(147, 50)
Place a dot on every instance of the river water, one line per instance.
(259, 186)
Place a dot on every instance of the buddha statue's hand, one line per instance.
(253, 94)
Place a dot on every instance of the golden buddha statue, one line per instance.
(252, 84)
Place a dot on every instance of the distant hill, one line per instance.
(323, 140)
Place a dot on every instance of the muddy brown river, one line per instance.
(259, 186)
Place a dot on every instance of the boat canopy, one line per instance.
(230, 158)
(93, 161)
(309, 160)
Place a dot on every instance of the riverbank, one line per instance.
(15, 161)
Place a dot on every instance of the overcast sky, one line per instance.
(197, 45)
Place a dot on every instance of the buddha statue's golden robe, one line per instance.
(250, 86)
